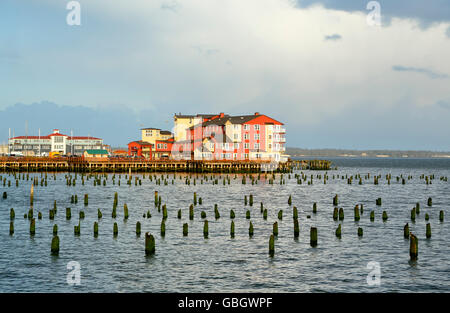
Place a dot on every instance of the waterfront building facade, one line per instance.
(55, 142)
(243, 137)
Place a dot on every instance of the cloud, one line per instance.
(173, 6)
(431, 74)
(333, 37)
(243, 56)
(448, 32)
(426, 13)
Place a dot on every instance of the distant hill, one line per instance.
(299, 152)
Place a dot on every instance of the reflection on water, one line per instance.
(222, 264)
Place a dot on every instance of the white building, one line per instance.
(55, 142)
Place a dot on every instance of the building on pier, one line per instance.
(55, 142)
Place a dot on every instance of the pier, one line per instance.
(122, 165)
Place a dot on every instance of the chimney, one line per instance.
(221, 114)
(256, 113)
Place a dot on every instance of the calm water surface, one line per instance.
(222, 264)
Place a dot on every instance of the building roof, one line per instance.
(142, 143)
(48, 137)
(197, 115)
(165, 132)
(96, 151)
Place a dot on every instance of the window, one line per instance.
(245, 136)
(211, 146)
(256, 136)
(235, 156)
(246, 127)
(270, 137)
(236, 127)
(236, 145)
(256, 145)
(246, 155)
(256, 126)
(245, 145)
(236, 136)
(270, 146)
(59, 139)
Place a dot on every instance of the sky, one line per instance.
(334, 79)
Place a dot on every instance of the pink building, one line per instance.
(225, 137)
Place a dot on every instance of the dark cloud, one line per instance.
(431, 74)
(426, 12)
(333, 37)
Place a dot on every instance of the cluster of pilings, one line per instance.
(103, 179)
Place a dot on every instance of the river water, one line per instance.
(240, 264)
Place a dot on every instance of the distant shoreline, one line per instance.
(328, 153)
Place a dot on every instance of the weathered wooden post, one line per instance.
(232, 229)
(360, 232)
(413, 247)
(265, 214)
(385, 216)
(335, 200)
(163, 228)
(272, 245)
(115, 229)
(232, 215)
(314, 207)
(54, 248)
(32, 194)
(125, 211)
(313, 235)
(275, 228)
(335, 213)
(372, 216)
(428, 231)
(280, 214)
(430, 202)
(441, 215)
(55, 229)
(413, 214)
(247, 214)
(149, 244)
(99, 213)
(12, 214)
(185, 229)
(251, 200)
(357, 217)
(250, 229)
(11, 227)
(95, 229)
(138, 228)
(296, 228)
(191, 212)
(86, 199)
(406, 231)
(68, 213)
(339, 231)
(205, 229)
(290, 200)
(32, 227)
(295, 213)
(341, 214)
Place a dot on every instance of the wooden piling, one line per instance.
(413, 247)
(54, 248)
(313, 235)
(149, 244)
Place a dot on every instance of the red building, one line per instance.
(140, 148)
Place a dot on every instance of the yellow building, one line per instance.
(183, 122)
(150, 135)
